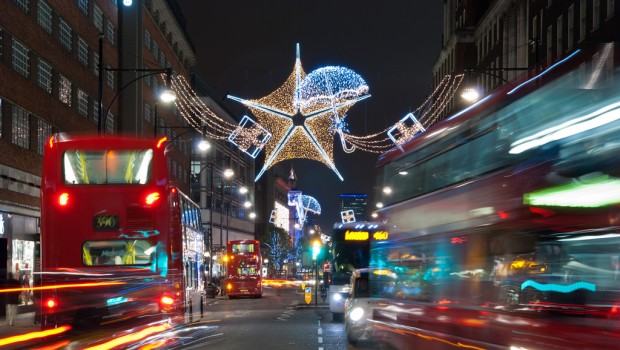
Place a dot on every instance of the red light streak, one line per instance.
(33, 335)
(130, 338)
(155, 345)
(59, 286)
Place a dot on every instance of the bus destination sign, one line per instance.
(365, 235)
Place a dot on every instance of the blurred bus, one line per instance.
(243, 268)
(504, 219)
(118, 239)
(349, 250)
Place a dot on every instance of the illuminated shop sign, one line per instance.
(364, 235)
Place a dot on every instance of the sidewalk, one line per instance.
(24, 323)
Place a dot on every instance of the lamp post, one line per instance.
(471, 94)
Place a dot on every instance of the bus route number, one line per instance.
(105, 222)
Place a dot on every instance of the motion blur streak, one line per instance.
(130, 338)
(58, 286)
(55, 346)
(156, 345)
(428, 337)
(33, 335)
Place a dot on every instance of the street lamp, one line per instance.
(471, 94)
(166, 96)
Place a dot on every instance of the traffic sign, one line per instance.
(308, 295)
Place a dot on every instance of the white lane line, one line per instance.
(320, 340)
(320, 331)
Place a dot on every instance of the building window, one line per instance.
(596, 13)
(44, 76)
(571, 27)
(20, 132)
(65, 35)
(95, 112)
(155, 50)
(64, 90)
(109, 123)
(147, 39)
(111, 32)
(23, 5)
(98, 18)
(110, 78)
(83, 5)
(559, 37)
(147, 112)
(21, 59)
(611, 7)
(96, 63)
(582, 19)
(44, 133)
(82, 51)
(44, 16)
(82, 100)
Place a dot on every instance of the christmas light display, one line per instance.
(301, 118)
(347, 216)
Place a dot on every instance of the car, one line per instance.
(358, 308)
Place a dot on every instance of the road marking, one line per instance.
(320, 331)
(320, 340)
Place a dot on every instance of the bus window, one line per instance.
(107, 167)
(116, 252)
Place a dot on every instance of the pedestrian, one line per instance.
(11, 299)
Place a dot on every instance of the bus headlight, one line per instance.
(356, 314)
(337, 297)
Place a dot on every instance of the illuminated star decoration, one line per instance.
(300, 114)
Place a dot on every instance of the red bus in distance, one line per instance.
(243, 269)
(114, 224)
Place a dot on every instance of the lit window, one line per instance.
(44, 76)
(20, 128)
(64, 90)
(44, 133)
(111, 32)
(21, 62)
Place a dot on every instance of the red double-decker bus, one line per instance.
(243, 276)
(505, 220)
(118, 239)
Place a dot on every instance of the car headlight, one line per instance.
(356, 314)
(337, 297)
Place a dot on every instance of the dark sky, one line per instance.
(247, 49)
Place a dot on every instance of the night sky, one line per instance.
(247, 49)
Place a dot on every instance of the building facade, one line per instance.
(495, 42)
(51, 81)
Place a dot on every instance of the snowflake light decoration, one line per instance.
(300, 119)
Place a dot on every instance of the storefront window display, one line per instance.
(22, 263)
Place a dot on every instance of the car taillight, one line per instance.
(166, 300)
(152, 198)
(51, 303)
(63, 199)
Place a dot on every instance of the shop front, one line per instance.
(19, 250)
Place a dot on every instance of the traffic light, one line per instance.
(316, 249)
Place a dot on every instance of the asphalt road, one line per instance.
(281, 319)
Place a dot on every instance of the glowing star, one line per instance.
(301, 120)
